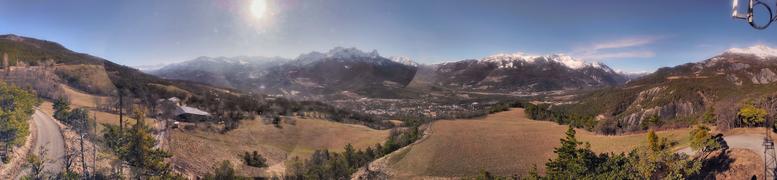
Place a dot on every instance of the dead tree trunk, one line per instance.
(121, 110)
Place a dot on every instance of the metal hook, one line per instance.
(749, 16)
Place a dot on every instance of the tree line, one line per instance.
(544, 112)
(16, 107)
(653, 160)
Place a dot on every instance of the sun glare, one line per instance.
(258, 8)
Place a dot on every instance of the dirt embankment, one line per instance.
(12, 169)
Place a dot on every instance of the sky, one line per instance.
(632, 36)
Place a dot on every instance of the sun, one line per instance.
(258, 8)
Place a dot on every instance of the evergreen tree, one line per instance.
(61, 108)
(136, 147)
(573, 160)
(701, 140)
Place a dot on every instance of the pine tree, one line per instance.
(136, 147)
(572, 161)
(61, 108)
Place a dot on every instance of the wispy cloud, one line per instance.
(618, 55)
(617, 49)
(624, 43)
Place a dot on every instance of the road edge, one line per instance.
(13, 168)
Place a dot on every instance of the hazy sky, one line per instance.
(627, 35)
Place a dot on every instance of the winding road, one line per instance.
(50, 138)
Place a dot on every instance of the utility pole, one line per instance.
(121, 110)
(770, 160)
(94, 145)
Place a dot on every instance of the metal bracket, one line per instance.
(749, 15)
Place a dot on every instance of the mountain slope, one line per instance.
(525, 73)
(680, 95)
(220, 71)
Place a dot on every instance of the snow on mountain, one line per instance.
(508, 60)
(338, 53)
(150, 67)
(761, 51)
(404, 60)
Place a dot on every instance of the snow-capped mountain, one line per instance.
(338, 53)
(404, 60)
(310, 74)
(510, 60)
(150, 67)
(760, 51)
(370, 74)
(523, 72)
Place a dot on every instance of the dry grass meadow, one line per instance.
(504, 143)
(85, 100)
(198, 150)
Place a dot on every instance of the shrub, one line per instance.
(254, 160)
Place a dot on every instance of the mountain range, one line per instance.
(312, 74)
(343, 70)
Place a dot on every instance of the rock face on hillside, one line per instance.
(678, 95)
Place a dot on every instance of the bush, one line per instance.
(254, 160)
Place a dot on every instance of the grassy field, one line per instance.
(92, 78)
(198, 150)
(504, 143)
(81, 99)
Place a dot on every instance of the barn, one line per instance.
(190, 114)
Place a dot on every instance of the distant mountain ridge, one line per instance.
(312, 74)
(350, 70)
(529, 73)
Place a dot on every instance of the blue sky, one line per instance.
(627, 35)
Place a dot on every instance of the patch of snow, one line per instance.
(403, 60)
(761, 51)
(338, 53)
(150, 67)
(509, 60)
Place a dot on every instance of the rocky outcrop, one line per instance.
(765, 76)
(633, 121)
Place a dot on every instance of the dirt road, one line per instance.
(50, 138)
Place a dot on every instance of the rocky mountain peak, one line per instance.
(761, 51)
(403, 60)
(338, 53)
(507, 60)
